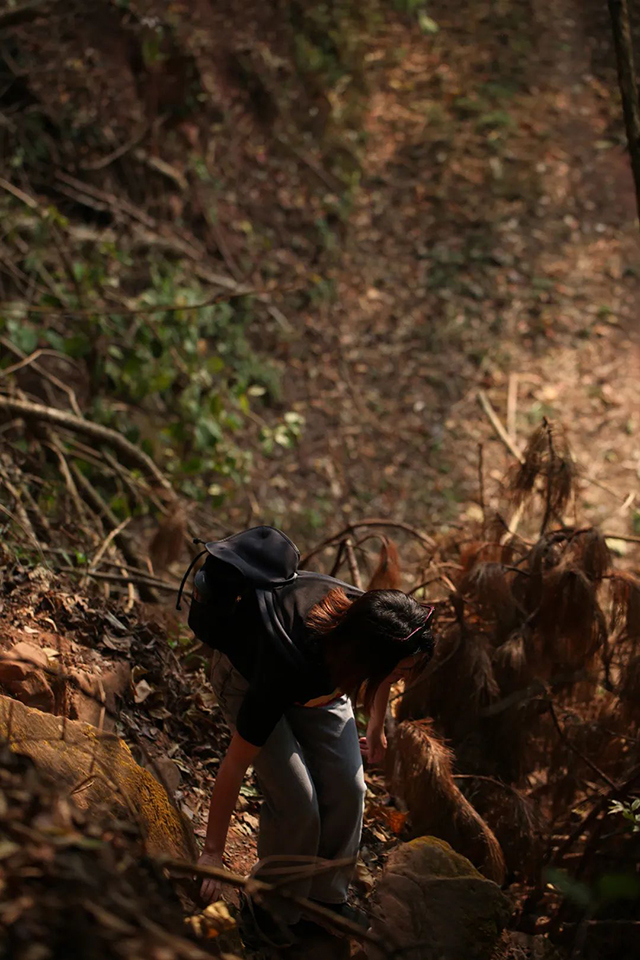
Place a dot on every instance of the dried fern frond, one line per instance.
(482, 686)
(523, 479)
(569, 617)
(514, 820)
(548, 457)
(489, 584)
(168, 542)
(511, 662)
(625, 606)
(388, 574)
(478, 551)
(590, 552)
(422, 774)
(629, 690)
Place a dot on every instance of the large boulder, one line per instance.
(434, 898)
(98, 770)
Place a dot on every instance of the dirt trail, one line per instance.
(494, 236)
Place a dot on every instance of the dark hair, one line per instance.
(365, 639)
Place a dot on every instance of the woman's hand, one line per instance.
(374, 746)
(211, 888)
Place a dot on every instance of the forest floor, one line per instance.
(493, 245)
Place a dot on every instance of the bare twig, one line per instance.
(353, 564)
(512, 406)
(481, 487)
(574, 749)
(19, 194)
(28, 532)
(369, 522)
(485, 403)
(550, 466)
(104, 546)
(138, 580)
(90, 429)
(118, 152)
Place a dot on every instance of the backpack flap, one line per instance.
(264, 556)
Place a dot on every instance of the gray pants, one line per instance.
(310, 774)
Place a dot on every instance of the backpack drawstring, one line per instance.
(188, 571)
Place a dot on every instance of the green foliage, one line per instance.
(608, 889)
(284, 434)
(630, 811)
(180, 382)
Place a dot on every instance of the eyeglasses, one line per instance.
(430, 613)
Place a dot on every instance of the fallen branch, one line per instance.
(260, 888)
(30, 360)
(137, 580)
(90, 429)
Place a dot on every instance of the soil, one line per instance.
(493, 242)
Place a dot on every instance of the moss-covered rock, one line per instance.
(433, 897)
(98, 770)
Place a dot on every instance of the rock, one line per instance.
(98, 770)
(23, 674)
(431, 896)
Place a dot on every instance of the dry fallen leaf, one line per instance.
(363, 877)
(142, 691)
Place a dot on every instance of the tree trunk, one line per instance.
(621, 23)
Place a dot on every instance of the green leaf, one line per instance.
(427, 24)
(619, 886)
(77, 346)
(574, 890)
(23, 335)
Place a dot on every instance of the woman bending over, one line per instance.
(288, 663)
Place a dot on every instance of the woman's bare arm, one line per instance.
(376, 741)
(224, 796)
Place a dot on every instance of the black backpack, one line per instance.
(260, 558)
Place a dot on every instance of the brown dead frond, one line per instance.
(570, 619)
(168, 541)
(481, 684)
(422, 775)
(479, 551)
(514, 820)
(523, 479)
(511, 663)
(589, 551)
(625, 606)
(548, 458)
(489, 584)
(388, 574)
(428, 694)
(629, 690)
